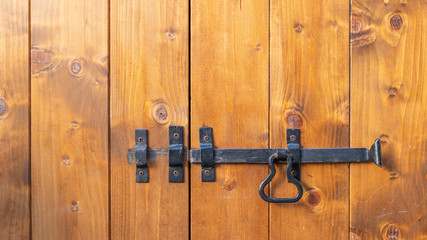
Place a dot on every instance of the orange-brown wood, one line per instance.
(14, 121)
(389, 101)
(309, 89)
(229, 92)
(149, 89)
(69, 119)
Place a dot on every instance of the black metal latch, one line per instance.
(207, 156)
(293, 157)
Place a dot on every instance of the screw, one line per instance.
(207, 172)
(140, 139)
(292, 137)
(141, 173)
(293, 173)
(206, 138)
(175, 173)
(176, 135)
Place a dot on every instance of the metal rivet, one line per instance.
(206, 138)
(140, 139)
(292, 137)
(141, 173)
(207, 172)
(175, 173)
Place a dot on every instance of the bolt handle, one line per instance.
(290, 172)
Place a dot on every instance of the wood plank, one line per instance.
(149, 89)
(69, 119)
(310, 90)
(229, 92)
(389, 101)
(14, 121)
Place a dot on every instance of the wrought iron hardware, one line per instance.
(176, 151)
(293, 157)
(138, 155)
(141, 154)
(207, 156)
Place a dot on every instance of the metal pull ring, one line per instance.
(270, 177)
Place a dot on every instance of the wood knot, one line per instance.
(75, 67)
(396, 22)
(40, 60)
(75, 206)
(160, 113)
(392, 92)
(313, 198)
(66, 160)
(354, 236)
(298, 27)
(384, 139)
(75, 124)
(393, 175)
(356, 24)
(362, 33)
(171, 34)
(228, 185)
(294, 119)
(3, 107)
(391, 232)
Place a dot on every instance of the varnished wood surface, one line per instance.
(257, 68)
(149, 89)
(14, 121)
(389, 101)
(69, 119)
(309, 90)
(229, 92)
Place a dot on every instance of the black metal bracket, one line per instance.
(206, 154)
(141, 154)
(293, 156)
(176, 151)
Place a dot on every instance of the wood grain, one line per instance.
(389, 101)
(229, 92)
(149, 89)
(309, 76)
(69, 119)
(14, 121)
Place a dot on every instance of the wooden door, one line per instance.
(78, 77)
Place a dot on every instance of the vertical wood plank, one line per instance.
(149, 89)
(309, 90)
(229, 92)
(14, 121)
(389, 101)
(69, 119)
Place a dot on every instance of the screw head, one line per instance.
(292, 138)
(175, 173)
(141, 173)
(140, 139)
(206, 138)
(293, 173)
(176, 135)
(207, 172)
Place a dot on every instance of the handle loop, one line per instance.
(291, 179)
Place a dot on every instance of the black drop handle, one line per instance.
(291, 178)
